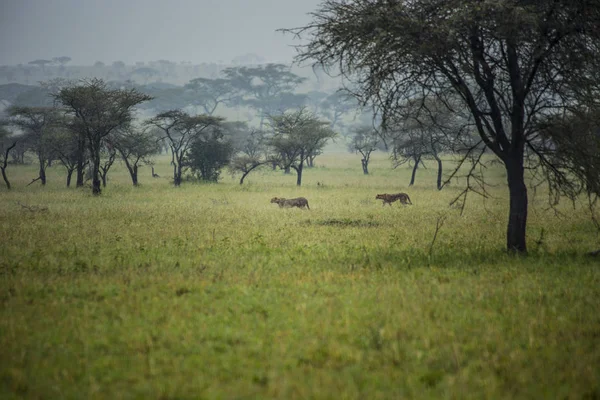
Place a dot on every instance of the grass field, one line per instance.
(209, 291)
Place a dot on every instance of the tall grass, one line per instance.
(210, 291)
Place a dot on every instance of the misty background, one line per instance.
(160, 48)
(196, 31)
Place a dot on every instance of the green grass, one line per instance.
(210, 291)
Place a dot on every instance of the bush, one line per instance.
(207, 157)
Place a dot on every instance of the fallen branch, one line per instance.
(33, 208)
(36, 179)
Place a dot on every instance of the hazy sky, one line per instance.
(147, 30)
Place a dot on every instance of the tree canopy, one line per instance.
(97, 111)
(510, 62)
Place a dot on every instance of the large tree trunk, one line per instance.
(414, 171)
(517, 217)
(177, 174)
(42, 169)
(299, 174)
(134, 175)
(440, 171)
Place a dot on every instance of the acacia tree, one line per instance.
(135, 145)
(97, 111)
(208, 155)
(509, 62)
(334, 106)
(427, 128)
(65, 145)
(37, 123)
(295, 136)
(180, 130)
(252, 153)
(257, 87)
(108, 153)
(210, 93)
(365, 141)
(409, 146)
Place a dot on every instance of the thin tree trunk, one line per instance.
(517, 217)
(440, 171)
(247, 172)
(69, 175)
(5, 178)
(80, 161)
(95, 151)
(134, 175)
(177, 172)
(414, 171)
(365, 166)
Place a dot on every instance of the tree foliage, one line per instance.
(208, 156)
(210, 93)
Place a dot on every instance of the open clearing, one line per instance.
(210, 291)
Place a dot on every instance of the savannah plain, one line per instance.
(209, 291)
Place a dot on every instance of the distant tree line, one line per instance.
(90, 124)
